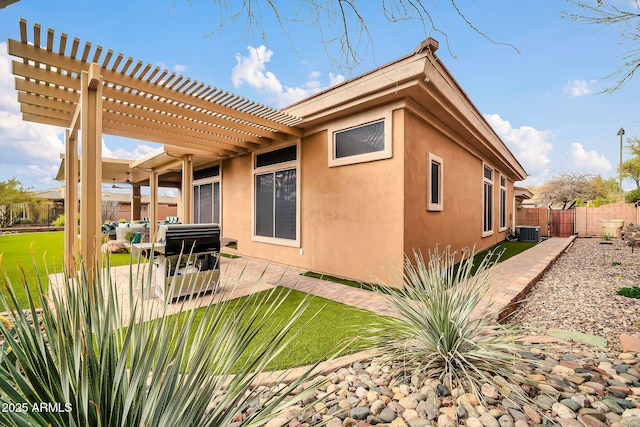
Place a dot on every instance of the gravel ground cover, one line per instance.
(578, 293)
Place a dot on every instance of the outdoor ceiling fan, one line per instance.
(114, 186)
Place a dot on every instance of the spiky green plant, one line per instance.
(89, 368)
(438, 331)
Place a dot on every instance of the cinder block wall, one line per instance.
(588, 219)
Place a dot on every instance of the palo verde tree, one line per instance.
(11, 192)
(631, 168)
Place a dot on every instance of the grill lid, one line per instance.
(195, 238)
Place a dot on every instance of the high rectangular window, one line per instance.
(276, 208)
(487, 201)
(364, 137)
(360, 140)
(435, 192)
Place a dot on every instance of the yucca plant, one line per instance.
(437, 331)
(81, 365)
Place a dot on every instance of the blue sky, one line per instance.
(543, 101)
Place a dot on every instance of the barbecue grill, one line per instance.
(187, 260)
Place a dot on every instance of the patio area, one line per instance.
(511, 280)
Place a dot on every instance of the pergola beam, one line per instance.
(95, 91)
(61, 62)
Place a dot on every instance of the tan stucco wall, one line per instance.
(351, 216)
(459, 224)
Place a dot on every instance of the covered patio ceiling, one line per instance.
(62, 82)
(140, 101)
(166, 160)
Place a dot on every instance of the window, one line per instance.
(276, 196)
(206, 196)
(362, 138)
(487, 209)
(503, 203)
(434, 183)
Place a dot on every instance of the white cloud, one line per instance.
(181, 68)
(122, 153)
(581, 160)
(31, 151)
(252, 70)
(576, 88)
(530, 146)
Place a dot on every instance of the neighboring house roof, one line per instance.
(424, 84)
(522, 193)
(57, 194)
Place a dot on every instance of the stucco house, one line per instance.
(344, 182)
(392, 161)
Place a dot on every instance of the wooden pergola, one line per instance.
(90, 91)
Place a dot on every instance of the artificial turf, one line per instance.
(326, 328)
(27, 257)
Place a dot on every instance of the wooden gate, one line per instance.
(562, 222)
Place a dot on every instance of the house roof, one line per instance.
(426, 87)
(522, 193)
(57, 194)
(140, 101)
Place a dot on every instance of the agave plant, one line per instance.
(438, 331)
(79, 364)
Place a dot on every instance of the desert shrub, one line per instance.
(58, 222)
(633, 292)
(182, 370)
(438, 332)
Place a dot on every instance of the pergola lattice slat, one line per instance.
(117, 95)
(229, 123)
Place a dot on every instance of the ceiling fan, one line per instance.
(114, 185)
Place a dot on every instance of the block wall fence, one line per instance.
(587, 219)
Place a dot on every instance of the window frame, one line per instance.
(439, 205)
(384, 114)
(208, 180)
(502, 203)
(273, 168)
(488, 211)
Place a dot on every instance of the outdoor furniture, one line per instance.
(122, 230)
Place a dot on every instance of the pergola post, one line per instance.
(136, 203)
(71, 201)
(187, 189)
(91, 169)
(153, 205)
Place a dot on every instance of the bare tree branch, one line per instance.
(606, 14)
(339, 23)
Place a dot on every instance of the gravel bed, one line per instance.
(578, 292)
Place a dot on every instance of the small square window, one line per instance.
(434, 183)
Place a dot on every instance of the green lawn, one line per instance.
(325, 327)
(36, 252)
(508, 250)
(335, 326)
